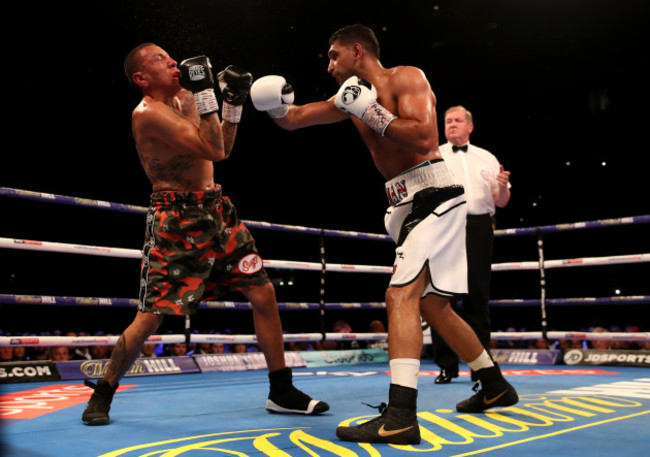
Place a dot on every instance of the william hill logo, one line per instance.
(141, 367)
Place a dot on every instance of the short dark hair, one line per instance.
(132, 62)
(357, 33)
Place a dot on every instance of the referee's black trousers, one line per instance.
(474, 307)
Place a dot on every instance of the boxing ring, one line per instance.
(189, 406)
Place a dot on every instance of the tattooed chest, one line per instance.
(172, 170)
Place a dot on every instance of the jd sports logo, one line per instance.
(196, 73)
(350, 94)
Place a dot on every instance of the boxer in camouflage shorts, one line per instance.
(195, 246)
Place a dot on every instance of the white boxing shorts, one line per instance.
(427, 220)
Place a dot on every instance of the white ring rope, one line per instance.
(31, 245)
(67, 248)
(38, 341)
(34, 341)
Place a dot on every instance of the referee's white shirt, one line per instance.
(477, 171)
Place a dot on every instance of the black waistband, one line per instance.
(168, 197)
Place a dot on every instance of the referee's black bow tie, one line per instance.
(459, 148)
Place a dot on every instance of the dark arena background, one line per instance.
(559, 94)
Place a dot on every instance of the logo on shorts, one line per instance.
(252, 263)
(396, 192)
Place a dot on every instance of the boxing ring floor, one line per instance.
(563, 411)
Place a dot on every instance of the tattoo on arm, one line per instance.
(214, 129)
(229, 134)
(188, 107)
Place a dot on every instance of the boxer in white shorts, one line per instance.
(426, 205)
(393, 109)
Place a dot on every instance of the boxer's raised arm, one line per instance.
(275, 96)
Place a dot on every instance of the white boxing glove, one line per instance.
(272, 94)
(359, 98)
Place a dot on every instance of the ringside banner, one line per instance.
(153, 366)
(526, 356)
(28, 371)
(631, 358)
(209, 363)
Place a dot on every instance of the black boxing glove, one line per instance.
(196, 76)
(235, 84)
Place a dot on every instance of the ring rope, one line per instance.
(124, 208)
(540, 264)
(120, 207)
(33, 341)
(68, 248)
(11, 299)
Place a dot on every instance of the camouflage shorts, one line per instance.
(196, 248)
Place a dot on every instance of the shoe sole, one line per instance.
(315, 407)
(97, 421)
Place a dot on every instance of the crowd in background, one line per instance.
(63, 353)
(566, 344)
